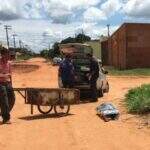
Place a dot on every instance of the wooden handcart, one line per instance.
(48, 98)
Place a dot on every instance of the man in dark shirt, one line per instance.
(66, 72)
(93, 76)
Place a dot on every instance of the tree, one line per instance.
(68, 40)
(51, 53)
(81, 38)
(54, 52)
(44, 53)
(56, 49)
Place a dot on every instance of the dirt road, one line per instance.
(82, 129)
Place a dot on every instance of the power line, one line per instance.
(7, 27)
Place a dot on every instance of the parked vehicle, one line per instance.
(56, 60)
(82, 67)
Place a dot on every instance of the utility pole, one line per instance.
(75, 35)
(49, 46)
(26, 46)
(14, 38)
(82, 32)
(6, 27)
(20, 44)
(108, 29)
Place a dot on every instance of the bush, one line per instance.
(44, 53)
(24, 57)
(138, 99)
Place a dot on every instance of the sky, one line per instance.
(40, 23)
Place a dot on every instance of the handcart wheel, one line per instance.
(62, 110)
(45, 109)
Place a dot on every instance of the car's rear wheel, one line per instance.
(94, 100)
(106, 90)
(100, 93)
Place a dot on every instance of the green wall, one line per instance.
(96, 45)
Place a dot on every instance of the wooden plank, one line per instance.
(38, 96)
(51, 96)
(19, 89)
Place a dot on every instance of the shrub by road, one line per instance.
(138, 99)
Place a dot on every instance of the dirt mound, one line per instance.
(24, 68)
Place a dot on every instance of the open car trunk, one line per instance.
(82, 68)
(80, 61)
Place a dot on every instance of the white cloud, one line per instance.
(59, 11)
(111, 6)
(41, 22)
(32, 9)
(95, 31)
(71, 4)
(9, 9)
(39, 34)
(93, 14)
(62, 11)
(107, 9)
(137, 8)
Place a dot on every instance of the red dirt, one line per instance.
(83, 129)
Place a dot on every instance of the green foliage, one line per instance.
(54, 52)
(24, 51)
(51, 53)
(131, 72)
(80, 38)
(68, 40)
(23, 57)
(138, 99)
(44, 53)
(56, 49)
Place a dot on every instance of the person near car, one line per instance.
(93, 76)
(6, 90)
(101, 67)
(66, 72)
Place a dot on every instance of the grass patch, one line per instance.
(138, 99)
(131, 72)
(24, 57)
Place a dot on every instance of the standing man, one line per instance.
(66, 72)
(93, 76)
(7, 97)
